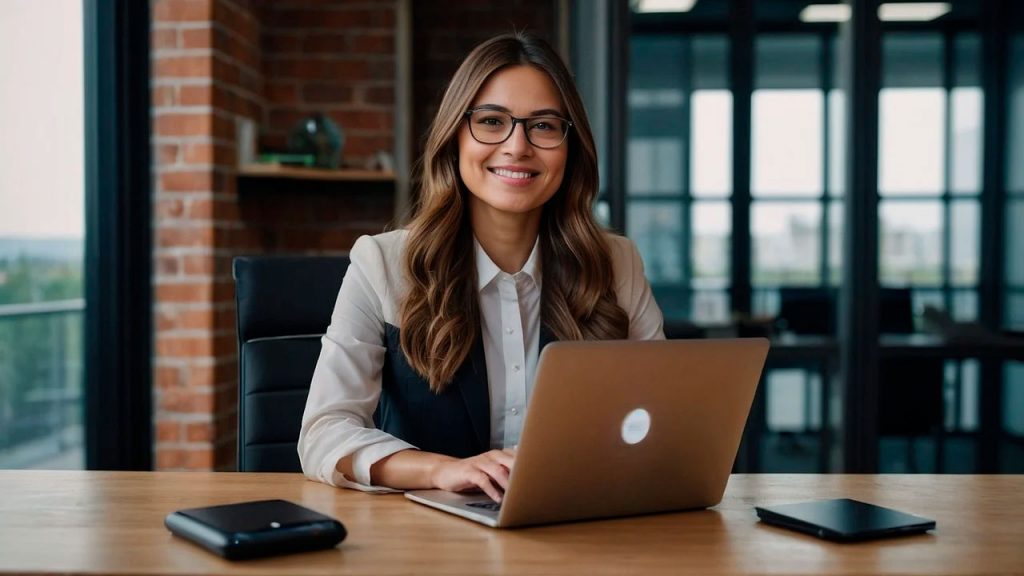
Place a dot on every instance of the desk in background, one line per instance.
(112, 523)
(821, 354)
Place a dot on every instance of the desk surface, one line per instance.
(112, 523)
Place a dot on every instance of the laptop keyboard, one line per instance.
(486, 505)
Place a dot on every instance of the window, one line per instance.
(41, 235)
(929, 178)
(677, 209)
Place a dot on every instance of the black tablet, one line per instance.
(844, 519)
(255, 529)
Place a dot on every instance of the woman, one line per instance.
(429, 360)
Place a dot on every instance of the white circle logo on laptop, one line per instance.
(636, 426)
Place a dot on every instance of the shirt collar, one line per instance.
(487, 270)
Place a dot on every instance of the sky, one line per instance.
(41, 119)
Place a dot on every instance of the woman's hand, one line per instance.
(487, 472)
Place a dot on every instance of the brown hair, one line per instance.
(440, 315)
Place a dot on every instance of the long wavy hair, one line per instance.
(440, 313)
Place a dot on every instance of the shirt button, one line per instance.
(509, 330)
(515, 367)
(515, 411)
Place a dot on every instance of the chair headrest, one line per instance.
(286, 295)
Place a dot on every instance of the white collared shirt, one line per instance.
(346, 385)
(510, 318)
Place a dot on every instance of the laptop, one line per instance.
(618, 428)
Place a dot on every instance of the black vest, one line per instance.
(456, 422)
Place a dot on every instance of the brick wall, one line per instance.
(444, 32)
(336, 57)
(275, 63)
(206, 73)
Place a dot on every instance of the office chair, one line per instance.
(910, 402)
(807, 310)
(810, 311)
(284, 306)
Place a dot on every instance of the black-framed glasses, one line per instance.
(490, 126)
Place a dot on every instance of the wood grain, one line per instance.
(112, 523)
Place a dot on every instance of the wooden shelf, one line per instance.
(301, 173)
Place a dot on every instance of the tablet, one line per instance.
(256, 529)
(844, 519)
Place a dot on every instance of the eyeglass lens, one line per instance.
(494, 127)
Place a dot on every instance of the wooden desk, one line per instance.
(112, 523)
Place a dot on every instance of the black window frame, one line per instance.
(118, 230)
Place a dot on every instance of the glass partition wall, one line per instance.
(1011, 455)
(733, 186)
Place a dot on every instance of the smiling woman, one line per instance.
(502, 256)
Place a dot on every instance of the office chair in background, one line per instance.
(910, 390)
(284, 306)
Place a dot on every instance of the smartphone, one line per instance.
(256, 529)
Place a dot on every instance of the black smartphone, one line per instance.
(256, 529)
(844, 519)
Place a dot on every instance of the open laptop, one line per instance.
(617, 428)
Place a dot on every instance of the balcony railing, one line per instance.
(41, 372)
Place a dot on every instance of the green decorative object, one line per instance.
(320, 136)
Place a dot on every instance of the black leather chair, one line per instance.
(807, 310)
(284, 306)
(910, 390)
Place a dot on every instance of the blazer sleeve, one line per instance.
(346, 386)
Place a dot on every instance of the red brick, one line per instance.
(186, 401)
(373, 43)
(280, 44)
(356, 69)
(326, 93)
(227, 371)
(197, 38)
(184, 125)
(182, 10)
(167, 208)
(168, 265)
(199, 432)
(173, 237)
(280, 93)
(164, 96)
(186, 292)
(186, 181)
(377, 95)
(168, 431)
(202, 376)
(199, 459)
(199, 264)
(285, 68)
(169, 458)
(167, 154)
(168, 377)
(183, 67)
(364, 119)
(199, 153)
(195, 320)
(325, 43)
(191, 95)
(164, 39)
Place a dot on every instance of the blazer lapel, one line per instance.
(472, 382)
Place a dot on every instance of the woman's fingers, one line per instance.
(483, 481)
(505, 457)
(496, 471)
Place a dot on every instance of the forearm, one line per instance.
(403, 470)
